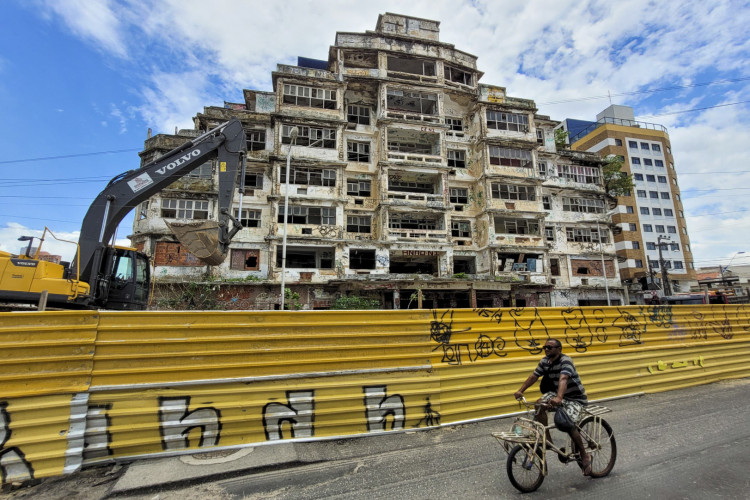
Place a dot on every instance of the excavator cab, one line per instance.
(125, 280)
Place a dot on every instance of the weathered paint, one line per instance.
(155, 384)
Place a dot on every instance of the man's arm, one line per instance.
(528, 383)
(562, 386)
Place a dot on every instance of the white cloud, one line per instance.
(116, 113)
(95, 21)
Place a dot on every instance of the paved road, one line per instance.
(693, 443)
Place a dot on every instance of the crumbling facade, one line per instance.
(410, 183)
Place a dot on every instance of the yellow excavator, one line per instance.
(104, 276)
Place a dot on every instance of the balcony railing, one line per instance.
(617, 121)
(423, 158)
(416, 117)
(418, 234)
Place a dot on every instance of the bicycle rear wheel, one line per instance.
(524, 471)
(600, 444)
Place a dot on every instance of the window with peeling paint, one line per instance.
(513, 192)
(310, 136)
(586, 235)
(308, 215)
(459, 195)
(410, 186)
(461, 228)
(510, 157)
(358, 114)
(456, 75)
(457, 158)
(361, 259)
(356, 187)
(410, 65)
(184, 209)
(507, 121)
(256, 140)
(358, 151)
(249, 217)
(358, 224)
(306, 258)
(253, 180)
(423, 103)
(454, 124)
(314, 97)
(586, 205)
(579, 173)
(505, 225)
(549, 234)
(245, 260)
(415, 221)
(308, 176)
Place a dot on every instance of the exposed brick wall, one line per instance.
(174, 254)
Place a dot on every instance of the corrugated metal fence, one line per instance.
(84, 387)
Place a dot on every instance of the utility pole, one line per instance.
(665, 286)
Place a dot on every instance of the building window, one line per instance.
(245, 260)
(358, 114)
(308, 176)
(654, 264)
(412, 102)
(461, 229)
(314, 97)
(663, 179)
(638, 263)
(638, 177)
(641, 193)
(578, 173)
(361, 259)
(554, 267)
(456, 158)
(629, 209)
(414, 221)
(664, 196)
(512, 192)
(457, 76)
(406, 186)
(549, 234)
(248, 218)
(358, 151)
(656, 211)
(618, 142)
(632, 144)
(459, 195)
(256, 140)
(650, 245)
(659, 228)
(636, 245)
(454, 124)
(546, 203)
(635, 161)
(253, 180)
(656, 148)
(510, 157)
(585, 235)
(587, 205)
(682, 214)
(675, 247)
(647, 162)
(644, 146)
(659, 163)
(644, 210)
(647, 228)
(184, 209)
(306, 258)
(653, 194)
(539, 136)
(412, 66)
(310, 136)
(542, 168)
(356, 187)
(203, 172)
(516, 226)
(507, 121)
(358, 224)
(633, 227)
(142, 210)
(668, 212)
(651, 178)
(672, 229)
(678, 264)
(309, 215)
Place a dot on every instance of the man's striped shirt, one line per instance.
(563, 364)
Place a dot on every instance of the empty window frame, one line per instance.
(423, 103)
(245, 260)
(507, 121)
(456, 75)
(306, 258)
(461, 229)
(358, 114)
(420, 148)
(510, 157)
(358, 224)
(308, 215)
(361, 259)
(184, 209)
(357, 187)
(358, 151)
(457, 158)
(256, 140)
(454, 124)
(549, 233)
(314, 97)
(516, 226)
(586, 235)
(253, 180)
(310, 136)
(539, 136)
(406, 186)
(413, 66)
(459, 195)
(309, 176)
(413, 221)
(513, 192)
(579, 173)
(248, 217)
(203, 172)
(542, 168)
(586, 205)
(547, 202)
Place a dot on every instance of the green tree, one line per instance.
(616, 182)
(354, 302)
(561, 138)
(291, 300)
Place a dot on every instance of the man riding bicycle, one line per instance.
(562, 387)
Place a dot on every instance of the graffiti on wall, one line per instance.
(663, 366)
(298, 413)
(176, 422)
(13, 464)
(379, 406)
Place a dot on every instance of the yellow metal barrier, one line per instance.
(84, 387)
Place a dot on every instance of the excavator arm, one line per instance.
(226, 143)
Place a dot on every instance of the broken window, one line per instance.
(358, 224)
(309, 176)
(466, 265)
(306, 257)
(142, 210)
(510, 157)
(358, 114)
(308, 215)
(513, 192)
(358, 151)
(549, 234)
(554, 267)
(456, 158)
(507, 121)
(516, 226)
(408, 186)
(414, 221)
(245, 260)
(579, 173)
(514, 262)
(457, 76)
(412, 66)
(253, 180)
(415, 102)
(461, 229)
(315, 97)
(546, 202)
(586, 235)
(355, 187)
(310, 136)
(248, 218)
(256, 140)
(203, 172)
(361, 259)
(454, 124)
(459, 195)
(539, 136)
(542, 168)
(184, 209)
(586, 205)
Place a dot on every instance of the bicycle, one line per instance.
(527, 445)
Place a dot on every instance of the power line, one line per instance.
(695, 109)
(62, 157)
(717, 213)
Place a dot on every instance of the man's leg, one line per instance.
(585, 458)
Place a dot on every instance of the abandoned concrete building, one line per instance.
(411, 183)
(652, 240)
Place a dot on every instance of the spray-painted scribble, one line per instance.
(299, 413)
(379, 406)
(531, 332)
(13, 463)
(630, 327)
(661, 315)
(176, 422)
(97, 437)
(431, 417)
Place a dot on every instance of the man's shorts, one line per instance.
(574, 409)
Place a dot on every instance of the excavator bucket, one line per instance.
(201, 239)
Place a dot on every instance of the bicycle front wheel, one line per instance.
(600, 444)
(524, 469)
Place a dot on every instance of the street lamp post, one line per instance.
(293, 140)
(601, 253)
(666, 288)
(724, 269)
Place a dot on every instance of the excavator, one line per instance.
(104, 276)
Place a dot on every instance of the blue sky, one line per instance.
(81, 81)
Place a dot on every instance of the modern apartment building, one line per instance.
(410, 183)
(653, 239)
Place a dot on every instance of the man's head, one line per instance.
(553, 348)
